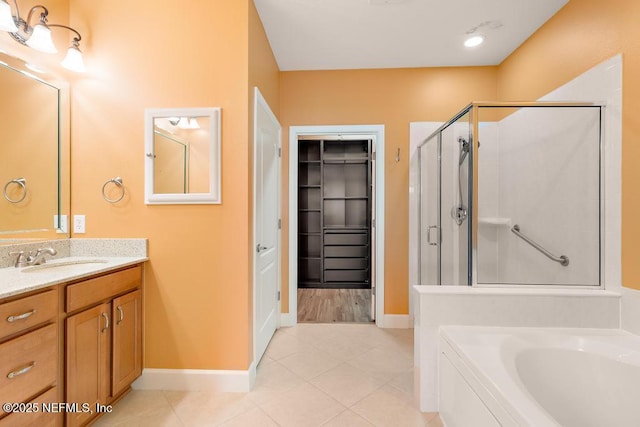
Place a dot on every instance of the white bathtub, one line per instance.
(539, 377)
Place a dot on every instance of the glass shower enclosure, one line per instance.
(511, 194)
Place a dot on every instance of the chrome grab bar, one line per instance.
(562, 259)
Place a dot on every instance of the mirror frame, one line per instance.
(213, 196)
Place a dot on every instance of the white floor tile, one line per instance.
(347, 384)
(329, 375)
(348, 419)
(302, 406)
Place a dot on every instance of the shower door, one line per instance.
(445, 164)
(430, 213)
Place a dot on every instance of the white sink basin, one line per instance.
(62, 265)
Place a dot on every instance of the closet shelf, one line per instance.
(345, 198)
(344, 228)
(346, 161)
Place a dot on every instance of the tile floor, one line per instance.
(311, 375)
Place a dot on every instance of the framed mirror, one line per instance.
(34, 147)
(182, 156)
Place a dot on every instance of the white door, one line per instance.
(266, 267)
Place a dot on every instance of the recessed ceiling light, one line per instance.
(473, 41)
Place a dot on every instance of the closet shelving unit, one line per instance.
(334, 214)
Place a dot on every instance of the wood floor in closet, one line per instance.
(334, 305)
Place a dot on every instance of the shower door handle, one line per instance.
(431, 241)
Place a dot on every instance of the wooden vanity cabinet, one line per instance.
(103, 340)
(29, 358)
(127, 341)
(88, 360)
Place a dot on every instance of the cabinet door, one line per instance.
(88, 360)
(127, 340)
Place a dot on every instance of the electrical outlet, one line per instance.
(78, 224)
(61, 225)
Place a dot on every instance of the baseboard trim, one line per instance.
(196, 380)
(397, 321)
(288, 319)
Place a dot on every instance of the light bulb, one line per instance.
(40, 39)
(73, 61)
(6, 19)
(183, 123)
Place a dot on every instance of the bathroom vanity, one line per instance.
(70, 338)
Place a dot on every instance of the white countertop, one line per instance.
(14, 281)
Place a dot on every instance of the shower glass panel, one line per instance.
(445, 207)
(511, 194)
(539, 172)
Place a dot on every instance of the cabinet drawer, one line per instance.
(346, 276)
(345, 239)
(28, 364)
(92, 291)
(345, 251)
(21, 314)
(346, 263)
(36, 419)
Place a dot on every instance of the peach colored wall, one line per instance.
(169, 169)
(581, 35)
(167, 54)
(394, 98)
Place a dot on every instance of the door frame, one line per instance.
(376, 133)
(259, 101)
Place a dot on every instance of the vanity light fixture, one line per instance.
(38, 35)
(184, 122)
(193, 123)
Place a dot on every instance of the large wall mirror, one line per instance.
(34, 147)
(182, 156)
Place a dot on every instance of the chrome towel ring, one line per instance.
(22, 182)
(118, 182)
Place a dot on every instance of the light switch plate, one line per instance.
(78, 224)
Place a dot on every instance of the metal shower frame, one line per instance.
(472, 197)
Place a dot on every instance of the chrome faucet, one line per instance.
(36, 258)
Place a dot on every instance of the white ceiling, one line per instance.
(352, 34)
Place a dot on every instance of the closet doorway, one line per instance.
(333, 222)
